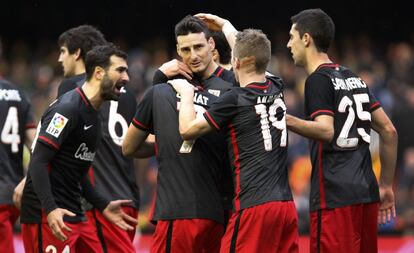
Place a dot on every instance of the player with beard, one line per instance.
(188, 207)
(253, 116)
(341, 110)
(66, 144)
(111, 172)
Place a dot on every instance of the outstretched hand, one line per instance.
(56, 224)
(387, 205)
(113, 212)
(213, 22)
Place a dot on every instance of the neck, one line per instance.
(209, 70)
(314, 59)
(251, 77)
(92, 92)
(80, 68)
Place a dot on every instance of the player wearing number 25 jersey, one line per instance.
(341, 111)
(253, 117)
(16, 122)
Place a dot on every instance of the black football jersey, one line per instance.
(15, 118)
(189, 171)
(254, 119)
(341, 170)
(112, 173)
(70, 126)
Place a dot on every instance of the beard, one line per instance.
(108, 89)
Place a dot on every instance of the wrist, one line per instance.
(228, 28)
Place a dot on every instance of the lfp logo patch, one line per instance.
(57, 124)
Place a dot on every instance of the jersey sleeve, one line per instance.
(143, 116)
(319, 96)
(222, 111)
(57, 123)
(29, 121)
(374, 104)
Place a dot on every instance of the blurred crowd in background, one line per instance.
(387, 68)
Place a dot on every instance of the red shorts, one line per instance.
(8, 216)
(38, 238)
(346, 229)
(269, 227)
(113, 238)
(187, 235)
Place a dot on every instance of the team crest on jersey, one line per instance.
(214, 92)
(57, 124)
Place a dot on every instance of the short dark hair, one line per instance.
(190, 24)
(84, 37)
(100, 56)
(222, 46)
(318, 24)
(253, 42)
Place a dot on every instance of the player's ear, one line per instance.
(237, 62)
(211, 43)
(178, 51)
(99, 73)
(306, 38)
(77, 54)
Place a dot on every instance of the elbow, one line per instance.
(391, 132)
(186, 136)
(328, 135)
(126, 150)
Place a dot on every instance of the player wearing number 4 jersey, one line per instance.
(253, 116)
(17, 128)
(341, 111)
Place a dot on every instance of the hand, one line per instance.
(181, 86)
(213, 22)
(387, 205)
(56, 224)
(174, 68)
(113, 212)
(18, 193)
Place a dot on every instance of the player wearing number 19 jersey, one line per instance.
(253, 117)
(16, 121)
(341, 112)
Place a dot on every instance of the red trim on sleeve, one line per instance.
(136, 122)
(31, 125)
(50, 142)
(321, 181)
(236, 167)
(322, 111)
(374, 105)
(220, 72)
(212, 120)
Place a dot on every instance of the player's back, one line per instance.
(15, 118)
(257, 142)
(345, 162)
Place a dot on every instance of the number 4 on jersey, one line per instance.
(10, 132)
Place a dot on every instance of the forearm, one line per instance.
(230, 32)
(187, 114)
(310, 129)
(388, 158)
(92, 196)
(40, 176)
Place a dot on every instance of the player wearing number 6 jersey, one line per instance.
(253, 116)
(341, 112)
